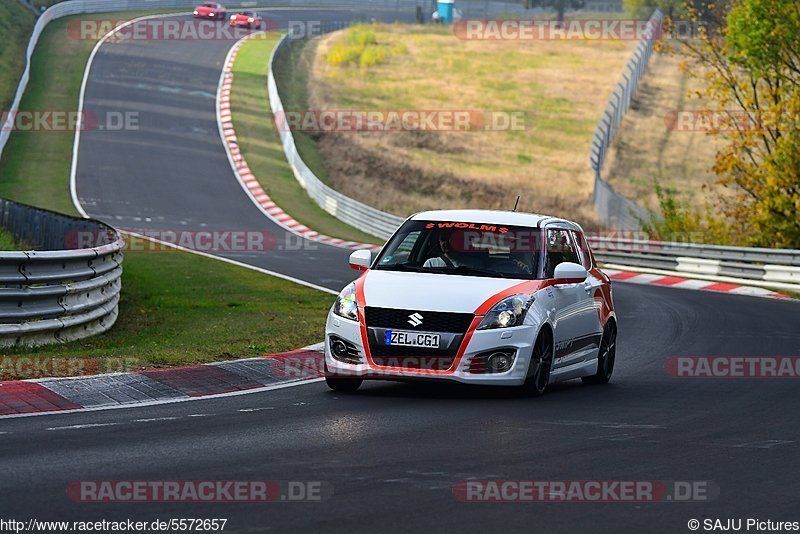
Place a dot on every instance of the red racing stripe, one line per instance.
(669, 280)
(721, 286)
(623, 275)
(201, 380)
(29, 397)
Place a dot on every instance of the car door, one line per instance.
(572, 311)
(593, 287)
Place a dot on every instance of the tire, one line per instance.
(606, 356)
(343, 385)
(542, 357)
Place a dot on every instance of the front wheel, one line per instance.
(606, 356)
(542, 359)
(343, 385)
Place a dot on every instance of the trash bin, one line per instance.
(445, 10)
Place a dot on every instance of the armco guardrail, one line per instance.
(774, 266)
(365, 218)
(613, 209)
(59, 291)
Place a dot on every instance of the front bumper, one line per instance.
(520, 338)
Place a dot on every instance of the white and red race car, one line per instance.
(474, 296)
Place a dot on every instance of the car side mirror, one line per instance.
(569, 273)
(360, 260)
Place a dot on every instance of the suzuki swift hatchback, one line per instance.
(480, 297)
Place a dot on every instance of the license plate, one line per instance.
(412, 339)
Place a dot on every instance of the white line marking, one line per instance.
(766, 444)
(77, 427)
(150, 420)
(255, 409)
(272, 387)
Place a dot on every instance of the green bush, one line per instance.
(360, 47)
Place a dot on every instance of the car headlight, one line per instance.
(345, 305)
(508, 312)
(195, 12)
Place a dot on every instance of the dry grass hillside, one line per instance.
(561, 87)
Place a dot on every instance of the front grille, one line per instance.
(378, 319)
(430, 322)
(412, 357)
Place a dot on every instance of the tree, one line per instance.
(751, 70)
(645, 8)
(560, 6)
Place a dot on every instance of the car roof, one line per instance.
(511, 218)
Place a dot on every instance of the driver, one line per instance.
(448, 258)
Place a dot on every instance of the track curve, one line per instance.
(172, 172)
(393, 452)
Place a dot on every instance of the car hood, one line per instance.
(431, 292)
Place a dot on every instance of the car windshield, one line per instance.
(209, 4)
(464, 248)
(246, 13)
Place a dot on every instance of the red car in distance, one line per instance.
(246, 19)
(210, 11)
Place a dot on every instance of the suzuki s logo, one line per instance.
(415, 319)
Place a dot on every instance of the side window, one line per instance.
(560, 248)
(583, 249)
(403, 250)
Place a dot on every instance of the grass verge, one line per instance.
(16, 24)
(176, 308)
(261, 145)
(292, 71)
(7, 242)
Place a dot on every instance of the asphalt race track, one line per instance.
(172, 173)
(393, 452)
